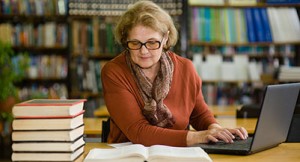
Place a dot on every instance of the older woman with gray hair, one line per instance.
(153, 94)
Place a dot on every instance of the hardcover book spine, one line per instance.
(250, 26)
(258, 24)
(266, 24)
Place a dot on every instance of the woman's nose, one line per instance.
(143, 50)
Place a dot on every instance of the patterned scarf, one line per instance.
(155, 111)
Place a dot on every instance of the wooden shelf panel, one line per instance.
(56, 49)
(199, 43)
(34, 18)
(258, 5)
(45, 79)
(94, 56)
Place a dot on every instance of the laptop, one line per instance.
(277, 109)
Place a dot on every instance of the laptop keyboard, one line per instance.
(238, 144)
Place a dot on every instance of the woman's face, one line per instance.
(144, 57)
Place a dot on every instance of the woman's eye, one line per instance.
(135, 43)
(151, 42)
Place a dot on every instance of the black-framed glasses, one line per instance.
(150, 45)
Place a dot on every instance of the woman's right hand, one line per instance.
(215, 133)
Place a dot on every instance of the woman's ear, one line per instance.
(166, 37)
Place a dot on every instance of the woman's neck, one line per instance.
(152, 71)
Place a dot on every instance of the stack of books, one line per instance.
(48, 130)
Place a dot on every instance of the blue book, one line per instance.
(258, 26)
(250, 26)
(201, 24)
(266, 24)
(207, 24)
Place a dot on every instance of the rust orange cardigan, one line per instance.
(123, 101)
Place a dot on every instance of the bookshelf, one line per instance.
(40, 29)
(219, 31)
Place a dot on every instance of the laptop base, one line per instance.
(239, 147)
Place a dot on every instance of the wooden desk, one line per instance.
(101, 112)
(287, 152)
(93, 126)
(229, 111)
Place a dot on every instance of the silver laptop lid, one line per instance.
(276, 114)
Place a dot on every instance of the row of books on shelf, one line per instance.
(241, 2)
(215, 69)
(117, 7)
(93, 37)
(239, 68)
(242, 25)
(47, 66)
(86, 76)
(49, 34)
(231, 94)
(48, 130)
(289, 74)
(34, 7)
(35, 90)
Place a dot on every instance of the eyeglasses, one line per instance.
(150, 45)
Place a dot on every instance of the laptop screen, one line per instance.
(276, 114)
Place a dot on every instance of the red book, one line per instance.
(48, 108)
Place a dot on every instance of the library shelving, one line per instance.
(40, 29)
(230, 39)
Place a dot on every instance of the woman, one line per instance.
(151, 93)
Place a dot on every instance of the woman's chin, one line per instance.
(145, 66)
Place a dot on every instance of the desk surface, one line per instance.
(94, 125)
(224, 110)
(287, 152)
